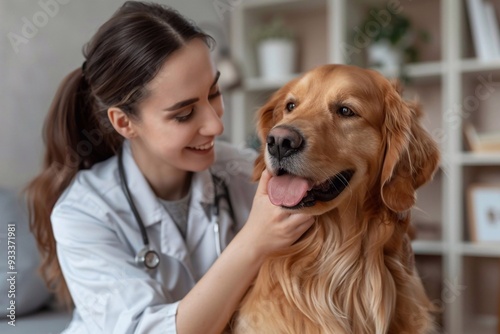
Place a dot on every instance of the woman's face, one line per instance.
(181, 116)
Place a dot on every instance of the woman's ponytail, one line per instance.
(74, 140)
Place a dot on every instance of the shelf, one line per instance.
(480, 249)
(273, 5)
(479, 159)
(475, 65)
(427, 70)
(427, 247)
(419, 71)
(261, 84)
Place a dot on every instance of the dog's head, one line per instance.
(338, 130)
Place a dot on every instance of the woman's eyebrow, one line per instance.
(187, 102)
(181, 104)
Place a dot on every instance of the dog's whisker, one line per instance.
(348, 203)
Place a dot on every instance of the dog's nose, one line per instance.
(284, 141)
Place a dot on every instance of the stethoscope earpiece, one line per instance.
(148, 257)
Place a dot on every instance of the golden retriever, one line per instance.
(342, 145)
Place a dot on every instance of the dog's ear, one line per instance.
(411, 155)
(266, 119)
(259, 166)
(264, 125)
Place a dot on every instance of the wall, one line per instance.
(34, 61)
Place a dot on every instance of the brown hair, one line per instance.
(123, 56)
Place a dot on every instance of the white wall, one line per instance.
(30, 75)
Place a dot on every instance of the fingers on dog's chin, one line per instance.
(266, 175)
(264, 179)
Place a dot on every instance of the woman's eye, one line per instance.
(346, 112)
(290, 106)
(184, 116)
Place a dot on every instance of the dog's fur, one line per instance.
(353, 271)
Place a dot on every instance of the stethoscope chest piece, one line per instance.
(148, 257)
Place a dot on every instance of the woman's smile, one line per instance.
(202, 149)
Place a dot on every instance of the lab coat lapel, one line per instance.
(201, 215)
(226, 219)
(172, 242)
(200, 211)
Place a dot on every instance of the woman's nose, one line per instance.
(212, 123)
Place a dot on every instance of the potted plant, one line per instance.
(276, 49)
(393, 43)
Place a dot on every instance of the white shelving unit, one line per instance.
(461, 276)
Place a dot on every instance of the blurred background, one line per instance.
(446, 53)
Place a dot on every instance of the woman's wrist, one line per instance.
(216, 296)
(251, 248)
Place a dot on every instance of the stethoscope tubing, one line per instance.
(147, 256)
(126, 191)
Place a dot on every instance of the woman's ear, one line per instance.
(121, 122)
(411, 155)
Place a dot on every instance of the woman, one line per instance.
(147, 99)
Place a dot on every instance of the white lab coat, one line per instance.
(98, 238)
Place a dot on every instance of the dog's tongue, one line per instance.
(287, 190)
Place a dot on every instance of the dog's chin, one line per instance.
(325, 191)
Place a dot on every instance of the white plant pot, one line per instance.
(277, 58)
(385, 58)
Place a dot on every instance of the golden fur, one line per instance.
(353, 271)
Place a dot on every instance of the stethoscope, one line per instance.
(148, 256)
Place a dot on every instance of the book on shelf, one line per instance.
(481, 142)
(484, 28)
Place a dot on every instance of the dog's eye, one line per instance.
(290, 106)
(346, 112)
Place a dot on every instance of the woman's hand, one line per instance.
(270, 228)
